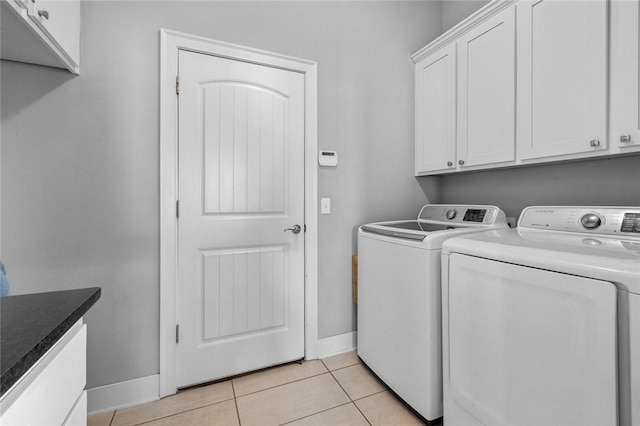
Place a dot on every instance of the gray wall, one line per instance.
(455, 11)
(608, 182)
(80, 166)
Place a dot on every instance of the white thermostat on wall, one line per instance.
(328, 158)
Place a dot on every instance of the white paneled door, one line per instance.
(240, 292)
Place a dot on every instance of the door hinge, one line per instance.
(177, 333)
(177, 84)
(305, 227)
(177, 209)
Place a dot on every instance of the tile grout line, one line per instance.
(235, 402)
(174, 414)
(284, 384)
(289, 383)
(349, 396)
(313, 414)
(351, 401)
(235, 397)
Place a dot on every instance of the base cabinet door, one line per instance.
(436, 112)
(562, 78)
(486, 92)
(52, 391)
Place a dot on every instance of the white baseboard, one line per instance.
(123, 394)
(146, 389)
(336, 345)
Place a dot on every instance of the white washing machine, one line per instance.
(541, 324)
(399, 315)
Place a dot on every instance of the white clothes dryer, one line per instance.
(399, 315)
(541, 324)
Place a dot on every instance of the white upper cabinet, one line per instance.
(562, 78)
(44, 32)
(436, 111)
(625, 90)
(486, 92)
(537, 81)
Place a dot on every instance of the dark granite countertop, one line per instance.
(31, 324)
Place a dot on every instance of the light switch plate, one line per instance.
(325, 206)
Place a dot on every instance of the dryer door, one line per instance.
(528, 346)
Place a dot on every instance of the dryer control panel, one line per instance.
(596, 220)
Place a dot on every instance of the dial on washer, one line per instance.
(591, 221)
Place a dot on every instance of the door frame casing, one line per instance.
(170, 44)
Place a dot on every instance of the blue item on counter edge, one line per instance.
(5, 290)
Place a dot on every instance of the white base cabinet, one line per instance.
(52, 391)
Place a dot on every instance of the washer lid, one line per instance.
(410, 229)
(609, 259)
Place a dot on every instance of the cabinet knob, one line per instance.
(461, 162)
(449, 163)
(44, 13)
(625, 138)
(594, 143)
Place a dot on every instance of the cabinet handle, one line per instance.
(594, 143)
(461, 162)
(625, 138)
(44, 13)
(449, 163)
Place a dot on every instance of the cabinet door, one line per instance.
(625, 90)
(486, 92)
(50, 389)
(562, 77)
(436, 111)
(60, 21)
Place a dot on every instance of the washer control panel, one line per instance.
(598, 220)
(462, 214)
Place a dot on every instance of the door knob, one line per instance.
(295, 229)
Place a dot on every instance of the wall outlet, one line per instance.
(325, 206)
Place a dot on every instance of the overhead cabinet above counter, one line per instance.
(525, 82)
(43, 32)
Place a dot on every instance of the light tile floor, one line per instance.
(338, 390)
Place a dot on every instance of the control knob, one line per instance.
(451, 214)
(591, 221)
